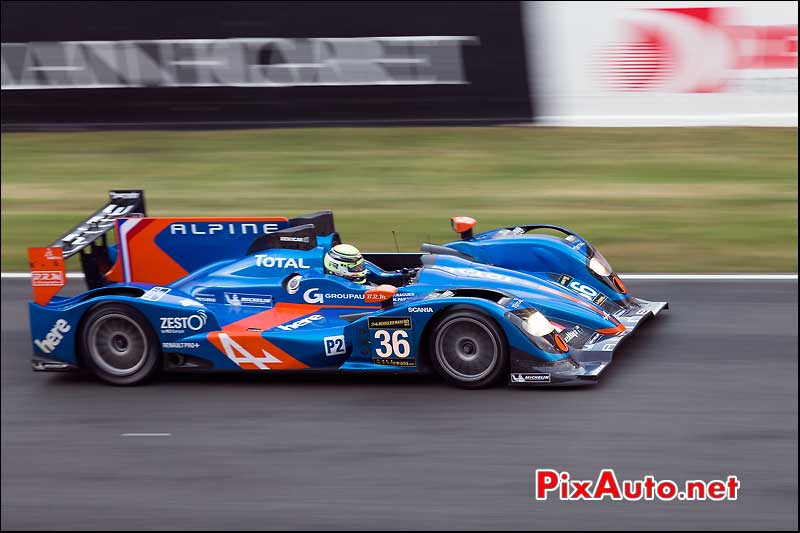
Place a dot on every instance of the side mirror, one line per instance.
(463, 226)
(381, 294)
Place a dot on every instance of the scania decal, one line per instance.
(227, 228)
(53, 337)
(179, 324)
(420, 309)
(263, 260)
(300, 323)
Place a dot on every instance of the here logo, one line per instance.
(53, 337)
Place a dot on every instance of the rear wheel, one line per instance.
(119, 346)
(468, 349)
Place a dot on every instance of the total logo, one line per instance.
(179, 324)
(279, 262)
(53, 337)
(300, 323)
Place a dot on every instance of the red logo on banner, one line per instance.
(692, 50)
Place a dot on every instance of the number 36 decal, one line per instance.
(392, 343)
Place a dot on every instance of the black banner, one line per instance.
(218, 64)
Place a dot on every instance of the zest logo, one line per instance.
(179, 324)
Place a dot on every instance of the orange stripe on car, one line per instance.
(613, 331)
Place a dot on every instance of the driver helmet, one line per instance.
(344, 260)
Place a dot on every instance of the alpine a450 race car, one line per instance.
(252, 294)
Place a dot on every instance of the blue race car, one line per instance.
(256, 293)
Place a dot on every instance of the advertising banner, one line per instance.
(664, 63)
(239, 63)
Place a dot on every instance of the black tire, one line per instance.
(468, 349)
(118, 345)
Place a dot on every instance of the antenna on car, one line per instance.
(396, 246)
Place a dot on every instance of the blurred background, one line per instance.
(632, 123)
(663, 132)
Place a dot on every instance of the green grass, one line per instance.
(671, 199)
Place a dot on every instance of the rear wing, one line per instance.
(157, 250)
(120, 204)
(48, 273)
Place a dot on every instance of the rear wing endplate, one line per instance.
(48, 273)
(129, 203)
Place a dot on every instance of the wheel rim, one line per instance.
(467, 349)
(117, 344)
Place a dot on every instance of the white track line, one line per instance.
(146, 435)
(658, 277)
(711, 277)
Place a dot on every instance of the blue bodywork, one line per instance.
(276, 309)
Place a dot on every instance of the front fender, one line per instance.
(561, 259)
(55, 327)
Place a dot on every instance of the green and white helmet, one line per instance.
(345, 261)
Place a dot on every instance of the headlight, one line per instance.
(539, 330)
(537, 325)
(600, 266)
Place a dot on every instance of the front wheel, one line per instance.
(119, 346)
(468, 349)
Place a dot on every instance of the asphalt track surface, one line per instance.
(706, 390)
